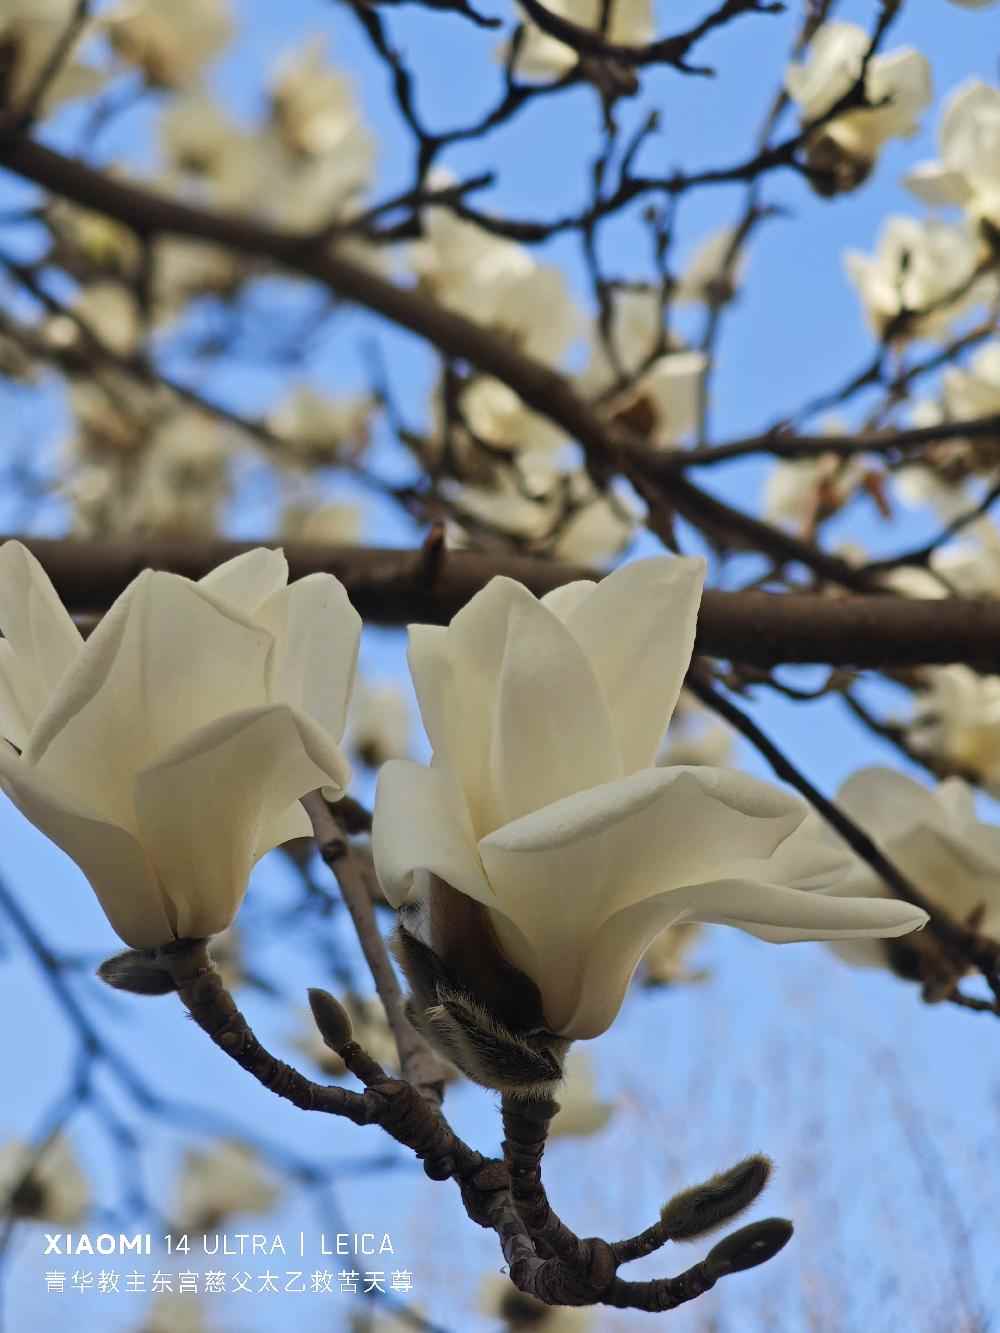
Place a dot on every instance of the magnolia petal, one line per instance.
(937, 185)
(769, 911)
(553, 735)
(476, 640)
(563, 601)
(292, 823)
(247, 581)
(200, 807)
(420, 823)
(40, 641)
(319, 632)
(112, 860)
(561, 872)
(637, 630)
(885, 802)
(165, 661)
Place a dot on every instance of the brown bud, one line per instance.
(137, 972)
(704, 1207)
(749, 1246)
(332, 1019)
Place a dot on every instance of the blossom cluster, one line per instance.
(533, 862)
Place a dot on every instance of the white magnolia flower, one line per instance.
(708, 277)
(183, 478)
(581, 1113)
(171, 46)
(695, 736)
(219, 1183)
(108, 310)
(543, 807)
(333, 524)
(544, 57)
(497, 415)
(378, 726)
(934, 838)
(800, 491)
(975, 391)
(315, 106)
(663, 391)
(184, 270)
(319, 430)
(968, 170)
(30, 31)
(168, 753)
(849, 144)
(939, 478)
(548, 510)
(56, 1190)
(500, 1299)
(663, 962)
(495, 282)
(371, 1031)
(919, 266)
(957, 718)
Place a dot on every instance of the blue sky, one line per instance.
(877, 1110)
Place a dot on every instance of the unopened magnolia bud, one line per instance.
(749, 1246)
(137, 972)
(332, 1019)
(704, 1207)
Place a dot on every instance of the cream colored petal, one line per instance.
(40, 641)
(937, 185)
(769, 911)
(318, 633)
(165, 661)
(562, 602)
(886, 803)
(201, 806)
(562, 871)
(637, 630)
(291, 823)
(110, 858)
(420, 823)
(248, 580)
(553, 735)
(477, 638)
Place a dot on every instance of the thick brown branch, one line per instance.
(390, 587)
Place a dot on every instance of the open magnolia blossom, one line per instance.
(957, 719)
(934, 837)
(541, 853)
(968, 170)
(219, 1183)
(847, 146)
(800, 492)
(169, 46)
(168, 752)
(29, 31)
(550, 509)
(663, 390)
(921, 277)
(714, 272)
(54, 1190)
(543, 57)
(494, 281)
